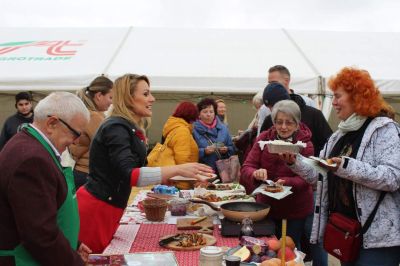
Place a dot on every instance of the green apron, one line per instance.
(67, 215)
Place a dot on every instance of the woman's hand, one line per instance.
(288, 157)
(223, 150)
(209, 149)
(199, 171)
(260, 174)
(280, 182)
(84, 252)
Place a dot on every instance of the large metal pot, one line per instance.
(238, 210)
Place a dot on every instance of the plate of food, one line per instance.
(221, 198)
(280, 146)
(274, 191)
(187, 241)
(324, 162)
(226, 187)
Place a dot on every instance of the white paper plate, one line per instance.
(322, 161)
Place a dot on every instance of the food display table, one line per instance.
(149, 234)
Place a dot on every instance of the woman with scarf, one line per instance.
(211, 135)
(365, 174)
(261, 165)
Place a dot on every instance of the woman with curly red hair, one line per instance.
(362, 185)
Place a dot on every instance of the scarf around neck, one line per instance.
(352, 123)
(209, 126)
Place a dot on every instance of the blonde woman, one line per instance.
(97, 97)
(221, 111)
(117, 162)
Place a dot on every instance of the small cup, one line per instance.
(232, 261)
(178, 207)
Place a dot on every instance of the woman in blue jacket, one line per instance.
(211, 135)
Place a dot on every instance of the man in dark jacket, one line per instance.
(23, 104)
(312, 117)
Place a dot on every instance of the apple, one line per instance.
(289, 242)
(289, 254)
(274, 244)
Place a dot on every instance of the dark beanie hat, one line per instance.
(23, 96)
(273, 93)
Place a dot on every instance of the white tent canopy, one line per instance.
(191, 60)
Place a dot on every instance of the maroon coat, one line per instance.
(295, 206)
(32, 189)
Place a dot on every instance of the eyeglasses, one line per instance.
(74, 132)
(286, 122)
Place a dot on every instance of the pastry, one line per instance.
(274, 189)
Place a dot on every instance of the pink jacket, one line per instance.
(295, 206)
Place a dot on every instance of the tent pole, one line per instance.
(117, 50)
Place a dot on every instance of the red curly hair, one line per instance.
(364, 94)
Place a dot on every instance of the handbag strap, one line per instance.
(169, 137)
(372, 215)
(212, 143)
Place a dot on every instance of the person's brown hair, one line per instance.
(364, 94)
(279, 68)
(100, 84)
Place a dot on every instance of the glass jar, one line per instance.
(178, 207)
(211, 256)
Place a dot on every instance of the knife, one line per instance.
(166, 241)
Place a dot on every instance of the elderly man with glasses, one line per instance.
(40, 221)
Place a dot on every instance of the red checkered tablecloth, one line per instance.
(149, 234)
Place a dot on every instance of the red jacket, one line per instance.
(295, 206)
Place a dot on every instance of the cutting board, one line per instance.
(184, 224)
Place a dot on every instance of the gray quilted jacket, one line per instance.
(376, 169)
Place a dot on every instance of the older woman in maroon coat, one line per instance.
(261, 165)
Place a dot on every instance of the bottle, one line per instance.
(247, 228)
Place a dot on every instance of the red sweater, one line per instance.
(295, 206)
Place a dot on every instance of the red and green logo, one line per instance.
(52, 48)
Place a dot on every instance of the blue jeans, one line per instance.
(294, 229)
(377, 257)
(318, 254)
